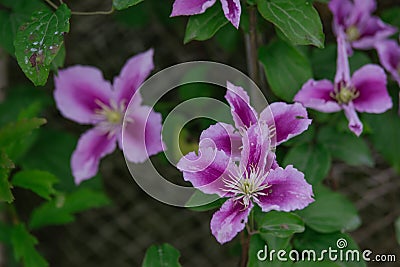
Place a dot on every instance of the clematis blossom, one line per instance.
(232, 9)
(363, 30)
(389, 56)
(365, 91)
(82, 95)
(240, 163)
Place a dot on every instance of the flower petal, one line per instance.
(355, 125)
(132, 75)
(243, 113)
(288, 191)
(340, 10)
(316, 95)
(207, 170)
(229, 220)
(223, 137)
(92, 146)
(373, 31)
(256, 148)
(361, 12)
(289, 120)
(141, 136)
(342, 63)
(190, 7)
(232, 10)
(389, 56)
(76, 91)
(370, 82)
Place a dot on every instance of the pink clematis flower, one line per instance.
(365, 91)
(231, 8)
(362, 29)
(256, 179)
(389, 56)
(82, 95)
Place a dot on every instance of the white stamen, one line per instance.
(247, 186)
(110, 117)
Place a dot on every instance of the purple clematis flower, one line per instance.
(256, 179)
(82, 95)
(389, 56)
(365, 91)
(231, 8)
(362, 29)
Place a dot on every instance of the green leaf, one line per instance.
(23, 244)
(324, 62)
(257, 249)
(330, 212)
(312, 159)
(358, 60)
(52, 152)
(5, 167)
(21, 103)
(19, 100)
(10, 19)
(385, 136)
(5, 233)
(62, 208)
(228, 38)
(16, 131)
(124, 4)
(279, 224)
(137, 17)
(298, 20)
(256, 244)
(346, 147)
(40, 182)
(391, 16)
(397, 226)
(59, 60)
(163, 255)
(198, 198)
(38, 42)
(285, 67)
(305, 137)
(18, 148)
(311, 240)
(315, 264)
(203, 26)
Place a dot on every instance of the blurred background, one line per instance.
(119, 234)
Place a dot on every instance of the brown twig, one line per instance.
(252, 47)
(245, 242)
(83, 13)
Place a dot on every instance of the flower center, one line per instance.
(110, 117)
(247, 186)
(344, 94)
(113, 116)
(352, 33)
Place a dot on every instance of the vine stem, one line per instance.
(245, 242)
(83, 13)
(51, 4)
(245, 239)
(90, 13)
(3, 85)
(253, 71)
(251, 46)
